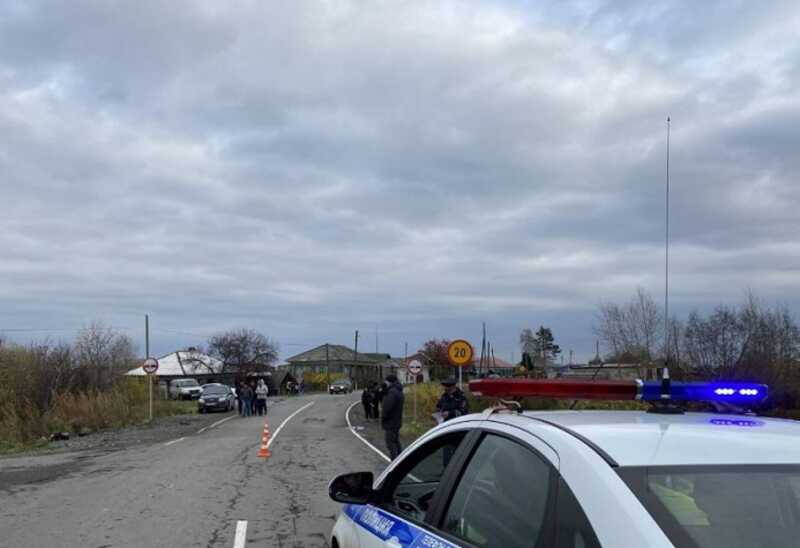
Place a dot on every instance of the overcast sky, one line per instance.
(307, 169)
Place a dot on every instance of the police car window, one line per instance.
(410, 490)
(722, 506)
(502, 496)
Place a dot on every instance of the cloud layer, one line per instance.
(311, 168)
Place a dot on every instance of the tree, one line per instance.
(101, 353)
(634, 330)
(539, 346)
(243, 351)
(434, 351)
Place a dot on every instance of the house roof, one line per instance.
(183, 364)
(335, 353)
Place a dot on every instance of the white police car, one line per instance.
(582, 479)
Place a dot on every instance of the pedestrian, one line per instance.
(239, 398)
(247, 400)
(392, 414)
(261, 397)
(374, 400)
(366, 401)
(453, 403)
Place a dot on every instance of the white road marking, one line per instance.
(287, 419)
(223, 420)
(241, 534)
(359, 436)
(173, 441)
(203, 429)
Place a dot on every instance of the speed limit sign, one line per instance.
(460, 353)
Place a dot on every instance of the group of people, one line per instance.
(252, 400)
(389, 395)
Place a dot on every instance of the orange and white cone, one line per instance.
(264, 451)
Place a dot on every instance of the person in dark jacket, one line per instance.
(366, 400)
(392, 418)
(453, 403)
(374, 406)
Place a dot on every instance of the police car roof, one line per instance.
(633, 438)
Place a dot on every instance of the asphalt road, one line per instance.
(191, 491)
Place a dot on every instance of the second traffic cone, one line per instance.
(264, 451)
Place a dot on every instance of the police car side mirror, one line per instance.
(354, 488)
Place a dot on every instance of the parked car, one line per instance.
(216, 397)
(184, 389)
(343, 386)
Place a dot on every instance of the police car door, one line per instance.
(408, 496)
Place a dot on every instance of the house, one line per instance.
(187, 364)
(339, 361)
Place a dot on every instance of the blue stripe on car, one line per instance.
(386, 526)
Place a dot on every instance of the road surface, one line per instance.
(193, 491)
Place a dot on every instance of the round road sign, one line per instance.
(414, 367)
(150, 366)
(460, 353)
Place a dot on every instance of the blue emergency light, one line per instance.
(652, 391)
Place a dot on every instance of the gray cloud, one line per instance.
(308, 169)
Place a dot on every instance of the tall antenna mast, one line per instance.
(666, 263)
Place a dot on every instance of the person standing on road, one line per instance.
(366, 401)
(247, 400)
(261, 397)
(239, 399)
(453, 403)
(392, 420)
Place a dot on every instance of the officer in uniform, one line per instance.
(453, 403)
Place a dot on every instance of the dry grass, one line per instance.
(22, 425)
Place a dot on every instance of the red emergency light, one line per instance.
(554, 388)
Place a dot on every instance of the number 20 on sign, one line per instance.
(460, 353)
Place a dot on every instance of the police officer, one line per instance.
(392, 418)
(453, 403)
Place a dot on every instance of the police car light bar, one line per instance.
(733, 392)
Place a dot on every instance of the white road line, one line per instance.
(223, 420)
(359, 436)
(287, 419)
(173, 441)
(241, 534)
(203, 429)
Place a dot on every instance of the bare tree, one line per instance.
(101, 353)
(632, 330)
(243, 351)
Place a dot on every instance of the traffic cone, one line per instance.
(264, 451)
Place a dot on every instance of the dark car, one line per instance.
(343, 386)
(216, 397)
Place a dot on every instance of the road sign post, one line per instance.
(150, 366)
(460, 353)
(414, 367)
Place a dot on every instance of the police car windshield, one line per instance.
(721, 506)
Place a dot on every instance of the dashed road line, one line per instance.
(359, 436)
(287, 419)
(214, 425)
(241, 534)
(173, 441)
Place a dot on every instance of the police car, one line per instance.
(584, 479)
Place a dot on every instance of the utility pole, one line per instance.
(570, 357)
(376, 339)
(355, 357)
(147, 355)
(327, 366)
(666, 263)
